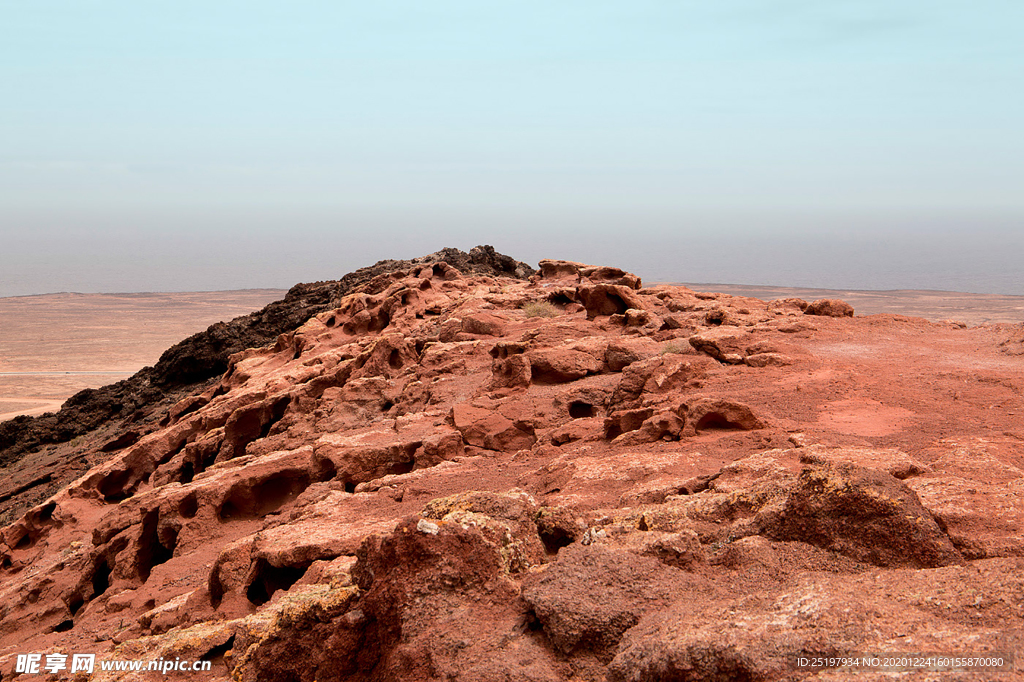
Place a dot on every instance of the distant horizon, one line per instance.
(706, 287)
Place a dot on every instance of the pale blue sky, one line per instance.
(205, 145)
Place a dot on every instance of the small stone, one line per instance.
(592, 535)
(428, 527)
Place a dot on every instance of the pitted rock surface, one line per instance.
(458, 467)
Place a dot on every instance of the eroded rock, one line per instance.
(347, 501)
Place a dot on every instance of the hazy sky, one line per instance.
(225, 144)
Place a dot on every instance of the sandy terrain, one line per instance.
(54, 345)
(936, 306)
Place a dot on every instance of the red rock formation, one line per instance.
(427, 481)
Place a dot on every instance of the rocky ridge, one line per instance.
(449, 475)
(129, 409)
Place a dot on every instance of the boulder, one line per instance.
(608, 299)
(862, 513)
(829, 307)
(725, 345)
(559, 365)
(559, 269)
(717, 413)
(505, 519)
(489, 429)
(623, 352)
(484, 324)
(681, 550)
(760, 637)
(604, 273)
(590, 595)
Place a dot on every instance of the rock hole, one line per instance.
(715, 317)
(606, 303)
(581, 410)
(350, 486)
(386, 405)
(331, 321)
(402, 467)
(612, 431)
(619, 305)
(113, 487)
(188, 506)
(216, 589)
(325, 470)
(277, 411)
(153, 549)
(379, 320)
(46, 513)
(186, 473)
(501, 351)
(244, 429)
(547, 377)
(25, 541)
(555, 539)
(716, 421)
(274, 493)
(425, 284)
(171, 453)
(560, 299)
(437, 270)
(252, 423)
(268, 579)
(229, 510)
(64, 625)
(217, 652)
(100, 578)
(168, 537)
(395, 359)
(75, 603)
(209, 459)
(247, 501)
(532, 622)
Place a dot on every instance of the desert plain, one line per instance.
(54, 345)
